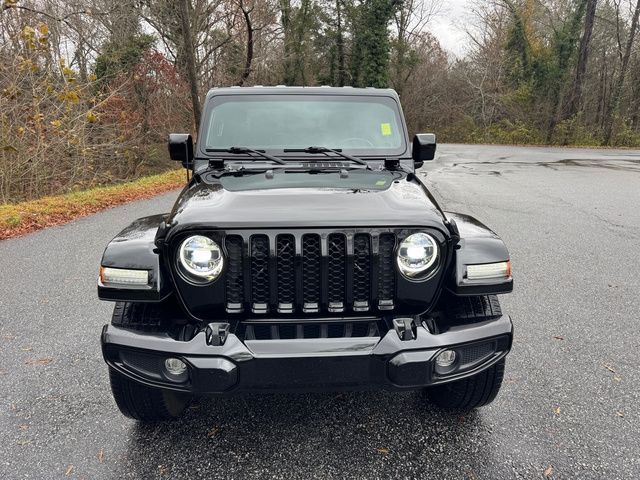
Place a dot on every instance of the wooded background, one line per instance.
(89, 89)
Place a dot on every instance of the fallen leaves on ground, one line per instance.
(558, 337)
(213, 432)
(20, 218)
(556, 410)
(610, 368)
(548, 471)
(39, 361)
(24, 442)
(69, 470)
(382, 451)
(101, 455)
(163, 470)
(620, 414)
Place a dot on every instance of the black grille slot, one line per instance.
(361, 271)
(336, 274)
(285, 257)
(259, 272)
(234, 278)
(289, 273)
(311, 258)
(288, 331)
(386, 273)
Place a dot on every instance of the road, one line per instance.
(568, 408)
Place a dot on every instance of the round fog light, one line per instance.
(175, 367)
(446, 358)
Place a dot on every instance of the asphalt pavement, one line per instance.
(569, 407)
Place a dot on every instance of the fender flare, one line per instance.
(478, 244)
(135, 248)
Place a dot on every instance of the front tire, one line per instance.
(146, 404)
(481, 388)
(469, 393)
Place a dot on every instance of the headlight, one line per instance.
(416, 255)
(201, 257)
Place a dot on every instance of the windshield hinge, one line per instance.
(216, 163)
(390, 163)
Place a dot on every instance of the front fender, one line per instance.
(478, 244)
(134, 248)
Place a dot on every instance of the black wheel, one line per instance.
(481, 388)
(143, 403)
(137, 401)
(471, 392)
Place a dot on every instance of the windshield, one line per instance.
(366, 125)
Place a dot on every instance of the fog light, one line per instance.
(175, 367)
(446, 358)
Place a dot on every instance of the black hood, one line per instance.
(311, 201)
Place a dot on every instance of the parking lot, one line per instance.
(568, 408)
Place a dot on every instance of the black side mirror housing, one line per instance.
(181, 148)
(424, 148)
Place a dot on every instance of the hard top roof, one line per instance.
(281, 89)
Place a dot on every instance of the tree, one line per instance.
(121, 55)
(575, 94)
(614, 104)
(370, 53)
(190, 59)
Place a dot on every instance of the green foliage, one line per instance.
(573, 131)
(505, 132)
(544, 64)
(370, 55)
(117, 58)
(299, 24)
(518, 49)
(513, 133)
(626, 136)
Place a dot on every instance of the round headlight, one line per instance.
(417, 254)
(201, 257)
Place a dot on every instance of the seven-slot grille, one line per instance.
(309, 272)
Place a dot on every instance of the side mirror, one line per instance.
(181, 148)
(424, 148)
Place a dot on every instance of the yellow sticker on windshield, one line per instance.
(385, 128)
(380, 183)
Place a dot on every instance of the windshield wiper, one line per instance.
(331, 150)
(241, 150)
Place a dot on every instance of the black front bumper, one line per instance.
(306, 364)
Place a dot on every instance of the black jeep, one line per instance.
(303, 254)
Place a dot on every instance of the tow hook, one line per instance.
(216, 334)
(405, 328)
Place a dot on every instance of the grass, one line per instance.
(20, 218)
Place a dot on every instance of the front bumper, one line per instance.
(307, 364)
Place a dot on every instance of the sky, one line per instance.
(448, 25)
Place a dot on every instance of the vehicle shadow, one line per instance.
(338, 435)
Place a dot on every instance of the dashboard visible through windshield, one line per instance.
(366, 125)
